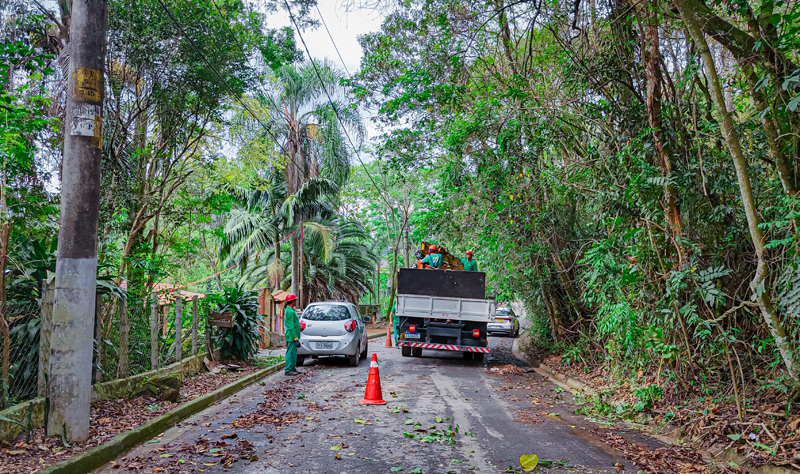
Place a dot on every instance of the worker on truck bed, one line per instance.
(470, 265)
(433, 259)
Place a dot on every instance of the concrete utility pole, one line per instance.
(70, 374)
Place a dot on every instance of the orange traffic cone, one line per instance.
(372, 395)
(388, 337)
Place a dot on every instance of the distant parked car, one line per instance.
(504, 323)
(332, 328)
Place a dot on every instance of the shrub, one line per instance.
(241, 340)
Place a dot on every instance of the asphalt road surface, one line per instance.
(314, 423)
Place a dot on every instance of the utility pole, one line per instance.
(70, 374)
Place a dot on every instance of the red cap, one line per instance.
(432, 247)
(469, 252)
(291, 297)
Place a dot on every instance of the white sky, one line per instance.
(345, 28)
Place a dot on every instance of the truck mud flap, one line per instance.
(444, 347)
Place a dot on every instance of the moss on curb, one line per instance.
(98, 456)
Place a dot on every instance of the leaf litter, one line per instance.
(108, 418)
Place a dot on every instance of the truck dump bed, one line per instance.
(447, 283)
(438, 307)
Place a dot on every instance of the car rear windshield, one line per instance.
(503, 312)
(326, 312)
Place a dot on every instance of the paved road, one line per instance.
(500, 417)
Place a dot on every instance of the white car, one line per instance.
(504, 323)
(332, 328)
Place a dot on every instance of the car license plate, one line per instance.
(324, 345)
(411, 335)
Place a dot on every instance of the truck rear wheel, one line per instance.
(416, 352)
(405, 351)
(467, 355)
(478, 356)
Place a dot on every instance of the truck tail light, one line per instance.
(476, 333)
(302, 326)
(350, 326)
(412, 328)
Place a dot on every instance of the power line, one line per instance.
(330, 100)
(331, 37)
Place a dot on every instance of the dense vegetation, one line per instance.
(223, 161)
(627, 169)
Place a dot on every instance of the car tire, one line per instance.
(416, 352)
(355, 359)
(301, 359)
(405, 351)
(364, 354)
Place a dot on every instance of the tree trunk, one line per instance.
(406, 256)
(295, 265)
(301, 285)
(123, 369)
(652, 59)
(785, 173)
(278, 259)
(762, 294)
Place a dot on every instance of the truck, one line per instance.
(443, 310)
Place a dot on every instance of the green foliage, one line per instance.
(240, 341)
(537, 152)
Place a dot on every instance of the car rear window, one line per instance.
(502, 312)
(326, 312)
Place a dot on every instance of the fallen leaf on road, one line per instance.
(528, 462)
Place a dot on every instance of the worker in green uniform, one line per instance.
(433, 259)
(396, 323)
(470, 265)
(291, 325)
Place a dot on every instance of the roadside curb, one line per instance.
(577, 387)
(561, 380)
(98, 456)
(377, 335)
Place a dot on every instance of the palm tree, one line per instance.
(265, 216)
(337, 261)
(346, 273)
(312, 115)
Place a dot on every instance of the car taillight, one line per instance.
(476, 333)
(302, 326)
(412, 328)
(350, 326)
